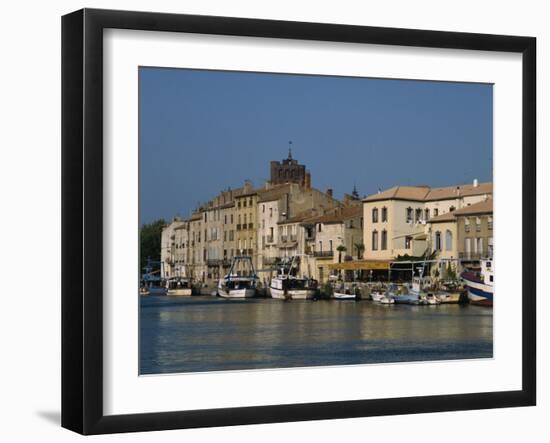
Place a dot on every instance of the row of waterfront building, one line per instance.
(358, 237)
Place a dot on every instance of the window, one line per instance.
(270, 212)
(478, 224)
(437, 241)
(467, 224)
(225, 219)
(490, 222)
(436, 212)
(426, 214)
(384, 214)
(320, 246)
(374, 240)
(384, 241)
(408, 242)
(319, 227)
(361, 222)
(409, 215)
(448, 240)
(330, 245)
(451, 209)
(375, 215)
(231, 218)
(263, 208)
(418, 215)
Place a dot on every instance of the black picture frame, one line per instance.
(82, 218)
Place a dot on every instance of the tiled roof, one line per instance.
(425, 193)
(337, 215)
(484, 207)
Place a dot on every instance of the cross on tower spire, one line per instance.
(354, 192)
(290, 150)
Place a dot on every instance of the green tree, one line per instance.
(360, 248)
(340, 249)
(149, 242)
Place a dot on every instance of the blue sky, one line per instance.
(203, 131)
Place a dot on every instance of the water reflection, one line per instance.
(190, 334)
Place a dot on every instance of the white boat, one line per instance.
(480, 286)
(449, 296)
(286, 285)
(386, 300)
(406, 298)
(402, 295)
(179, 286)
(343, 292)
(377, 295)
(234, 285)
(431, 299)
(418, 286)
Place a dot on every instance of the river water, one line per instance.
(191, 334)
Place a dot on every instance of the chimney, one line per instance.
(475, 183)
(329, 192)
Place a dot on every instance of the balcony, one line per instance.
(323, 254)
(214, 262)
(239, 227)
(470, 255)
(267, 261)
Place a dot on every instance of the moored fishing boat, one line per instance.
(151, 282)
(286, 285)
(480, 284)
(179, 286)
(240, 281)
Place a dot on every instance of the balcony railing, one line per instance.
(470, 255)
(293, 237)
(271, 260)
(323, 254)
(214, 262)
